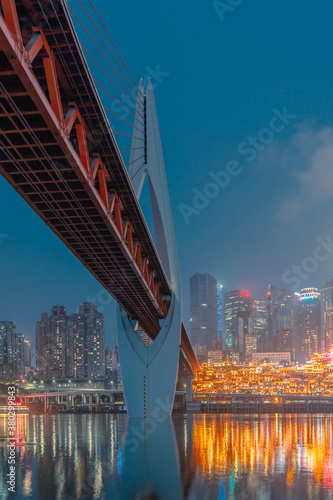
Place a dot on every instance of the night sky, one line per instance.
(219, 85)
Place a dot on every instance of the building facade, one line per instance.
(309, 324)
(258, 322)
(275, 358)
(282, 320)
(11, 351)
(237, 311)
(203, 310)
(326, 295)
(71, 347)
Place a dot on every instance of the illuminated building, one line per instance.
(27, 354)
(203, 310)
(52, 344)
(309, 324)
(251, 344)
(326, 295)
(328, 328)
(284, 341)
(270, 373)
(237, 309)
(87, 335)
(282, 316)
(271, 357)
(219, 309)
(112, 369)
(70, 346)
(214, 357)
(258, 322)
(11, 351)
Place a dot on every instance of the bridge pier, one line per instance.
(111, 399)
(149, 373)
(189, 394)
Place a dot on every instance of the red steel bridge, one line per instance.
(59, 153)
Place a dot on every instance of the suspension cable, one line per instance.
(106, 31)
(108, 48)
(98, 83)
(138, 170)
(113, 83)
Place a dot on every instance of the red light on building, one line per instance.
(244, 293)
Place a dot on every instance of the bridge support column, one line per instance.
(90, 403)
(189, 395)
(149, 374)
(111, 399)
(68, 401)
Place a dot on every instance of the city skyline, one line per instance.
(251, 231)
(166, 322)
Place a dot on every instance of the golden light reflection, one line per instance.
(268, 445)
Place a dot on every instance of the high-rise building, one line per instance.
(27, 354)
(90, 335)
(112, 369)
(215, 357)
(219, 311)
(237, 310)
(70, 346)
(258, 321)
(282, 320)
(329, 329)
(53, 345)
(326, 294)
(251, 346)
(309, 324)
(11, 351)
(43, 348)
(203, 310)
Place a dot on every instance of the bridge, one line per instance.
(58, 151)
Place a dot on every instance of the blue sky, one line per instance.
(217, 85)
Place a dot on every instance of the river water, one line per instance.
(199, 457)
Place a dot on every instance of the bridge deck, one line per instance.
(42, 160)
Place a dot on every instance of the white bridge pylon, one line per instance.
(149, 374)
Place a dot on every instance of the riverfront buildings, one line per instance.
(71, 346)
(298, 323)
(268, 376)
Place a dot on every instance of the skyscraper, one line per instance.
(282, 317)
(309, 324)
(329, 329)
(258, 321)
(87, 336)
(71, 346)
(203, 310)
(27, 354)
(237, 310)
(219, 310)
(11, 351)
(53, 344)
(326, 294)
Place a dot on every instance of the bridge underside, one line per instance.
(59, 153)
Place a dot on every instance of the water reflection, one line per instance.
(193, 457)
